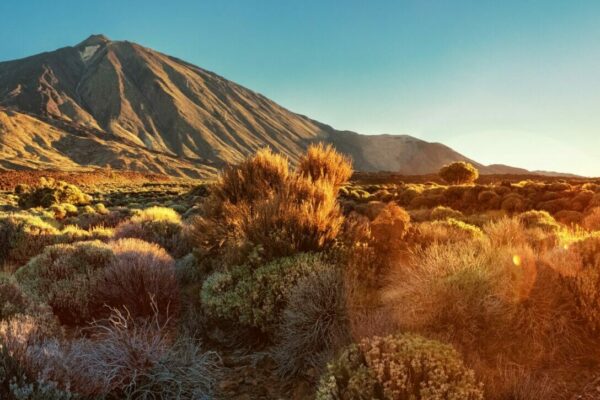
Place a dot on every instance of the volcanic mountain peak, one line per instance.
(121, 95)
(94, 40)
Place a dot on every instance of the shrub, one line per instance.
(50, 192)
(513, 203)
(12, 299)
(302, 217)
(158, 225)
(442, 213)
(254, 178)
(538, 219)
(584, 280)
(465, 291)
(399, 367)
(260, 204)
(314, 324)
(23, 236)
(123, 358)
(447, 231)
(62, 276)
(256, 298)
(139, 275)
(591, 221)
(459, 173)
(324, 162)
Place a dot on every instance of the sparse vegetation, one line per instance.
(108, 288)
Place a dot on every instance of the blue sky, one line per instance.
(513, 82)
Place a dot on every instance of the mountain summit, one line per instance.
(117, 103)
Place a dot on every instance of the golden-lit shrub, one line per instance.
(442, 213)
(591, 221)
(140, 278)
(447, 231)
(304, 216)
(256, 298)
(71, 234)
(399, 367)
(50, 192)
(459, 173)
(465, 291)
(583, 279)
(252, 179)
(323, 162)
(23, 236)
(260, 205)
(538, 219)
(314, 324)
(389, 229)
(62, 276)
(158, 225)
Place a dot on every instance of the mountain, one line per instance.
(116, 103)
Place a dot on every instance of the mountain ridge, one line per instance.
(133, 103)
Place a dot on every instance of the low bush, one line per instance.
(441, 213)
(538, 219)
(50, 192)
(23, 236)
(12, 299)
(314, 324)
(123, 358)
(465, 291)
(591, 221)
(140, 278)
(158, 225)
(256, 298)
(399, 367)
(62, 276)
(583, 279)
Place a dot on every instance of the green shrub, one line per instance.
(50, 192)
(314, 324)
(23, 236)
(459, 173)
(62, 276)
(256, 298)
(399, 367)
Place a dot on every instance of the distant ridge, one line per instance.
(116, 103)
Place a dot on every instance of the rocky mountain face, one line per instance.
(115, 103)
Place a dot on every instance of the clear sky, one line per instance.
(511, 81)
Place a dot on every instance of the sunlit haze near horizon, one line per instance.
(511, 82)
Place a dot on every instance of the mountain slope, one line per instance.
(146, 110)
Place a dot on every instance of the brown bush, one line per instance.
(323, 162)
(62, 276)
(591, 221)
(260, 207)
(140, 275)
